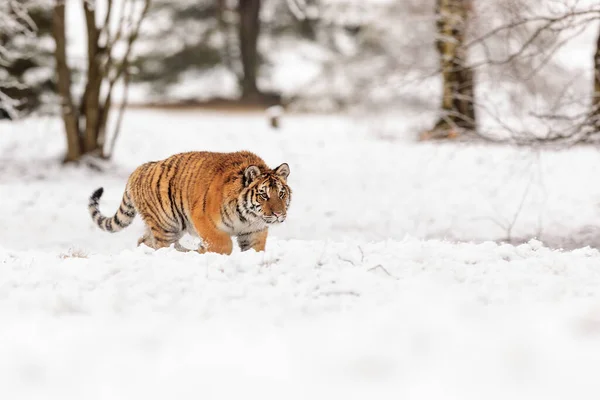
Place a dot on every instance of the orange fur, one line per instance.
(212, 195)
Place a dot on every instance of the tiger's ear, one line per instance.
(283, 171)
(250, 174)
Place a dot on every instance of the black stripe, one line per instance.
(172, 201)
(240, 213)
(213, 223)
(130, 212)
(148, 193)
(206, 193)
(250, 232)
(153, 210)
(190, 180)
(153, 200)
(250, 195)
(108, 225)
(165, 235)
(95, 213)
(152, 203)
(245, 242)
(181, 207)
(174, 208)
(165, 170)
(172, 218)
(117, 221)
(225, 212)
(224, 218)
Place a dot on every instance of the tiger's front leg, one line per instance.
(254, 240)
(214, 240)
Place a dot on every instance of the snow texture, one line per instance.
(384, 281)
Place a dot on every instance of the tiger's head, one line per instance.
(266, 194)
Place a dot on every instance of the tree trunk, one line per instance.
(91, 97)
(230, 48)
(249, 11)
(63, 75)
(595, 116)
(458, 111)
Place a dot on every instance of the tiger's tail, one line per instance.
(122, 218)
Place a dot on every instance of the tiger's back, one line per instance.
(211, 195)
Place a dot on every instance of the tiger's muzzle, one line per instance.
(275, 218)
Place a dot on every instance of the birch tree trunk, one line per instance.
(457, 106)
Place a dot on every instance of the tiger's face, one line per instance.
(267, 196)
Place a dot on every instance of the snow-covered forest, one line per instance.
(443, 237)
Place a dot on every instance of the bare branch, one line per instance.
(379, 266)
(119, 69)
(117, 131)
(106, 26)
(548, 22)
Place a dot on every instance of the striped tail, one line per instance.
(123, 217)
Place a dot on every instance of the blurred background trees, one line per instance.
(494, 70)
(25, 57)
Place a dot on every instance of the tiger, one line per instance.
(213, 196)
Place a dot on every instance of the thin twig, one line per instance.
(379, 266)
(117, 131)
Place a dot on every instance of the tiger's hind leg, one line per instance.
(179, 247)
(200, 249)
(157, 239)
(146, 239)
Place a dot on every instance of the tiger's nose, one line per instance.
(277, 214)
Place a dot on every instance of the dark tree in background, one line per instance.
(211, 36)
(63, 78)
(595, 117)
(194, 28)
(249, 29)
(457, 105)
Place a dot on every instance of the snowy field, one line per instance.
(404, 270)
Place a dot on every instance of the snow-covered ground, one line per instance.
(383, 283)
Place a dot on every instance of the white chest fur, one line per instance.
(248, 226)
(237, 226)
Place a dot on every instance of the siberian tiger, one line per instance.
(210, 195)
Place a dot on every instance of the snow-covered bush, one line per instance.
(26, 66)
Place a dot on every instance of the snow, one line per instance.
(389, 279)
